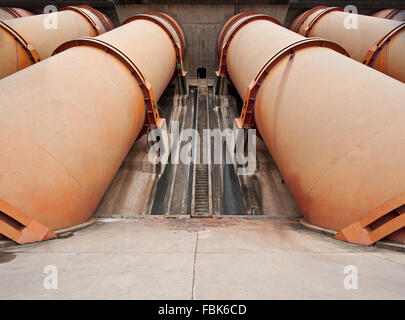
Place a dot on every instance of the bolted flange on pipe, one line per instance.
(94, 97)
(333, 126)
(28, 40)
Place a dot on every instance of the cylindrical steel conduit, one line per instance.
(28, 40)
(65, 135)
(333, 126)
(393, 14)
(12, 13)
(378, 43)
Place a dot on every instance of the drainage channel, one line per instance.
(233, 197)
(200, 173)
(200, 188)
(171, 191)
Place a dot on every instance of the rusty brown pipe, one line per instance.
(25, 41)
(333, 126)
(7, 13)
(393, 14)
(378, 43)
(65, 133)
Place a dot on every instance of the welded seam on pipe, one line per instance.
(153, 119)
(28, 47)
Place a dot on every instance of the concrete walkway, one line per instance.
(199, 259)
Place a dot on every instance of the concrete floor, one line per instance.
(158, 258)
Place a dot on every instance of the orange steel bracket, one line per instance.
(369, 229)
(107, 25)
(29, 48)
(86, 16)
(297, 24)
(168, 27)
(393, 13)
(326, 10)
(246, 119)
(153, 119)
(370, 56)
(233, 29)
(20, 227)
(175, 26)
(228, 25)
(12, 11)
(387, 13)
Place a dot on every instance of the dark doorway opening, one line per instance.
(201, 73)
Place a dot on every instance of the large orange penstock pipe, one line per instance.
(28, 40)
(67, 123)
(376, 42)
(333, 126)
